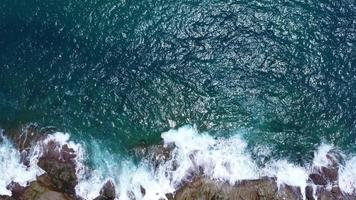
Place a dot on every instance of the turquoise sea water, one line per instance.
(114, 73)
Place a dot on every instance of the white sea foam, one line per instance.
(347, 176)
(11, 168)
(320, 158)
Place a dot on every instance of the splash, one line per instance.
(11, 168)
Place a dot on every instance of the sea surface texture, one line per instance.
(261, 81)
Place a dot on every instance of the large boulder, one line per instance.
(58, 162)
(107, 192)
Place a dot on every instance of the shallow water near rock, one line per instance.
(267, 82)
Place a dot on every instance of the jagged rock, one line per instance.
(58, 162)
(62, 174)
(16, 189)
(317, 179)
(26, 135)
(330, 173)
(107, 192)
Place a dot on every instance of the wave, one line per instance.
(192, 153)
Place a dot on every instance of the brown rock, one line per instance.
(290, 192)
(4, 197)
(204, 189)
(62, 174)
(317, 179)
(16, 189)
(37, 191)
(331, 174)
(309, 193)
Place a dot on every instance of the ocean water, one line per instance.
(272, 83)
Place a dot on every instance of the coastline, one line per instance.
(58, 166)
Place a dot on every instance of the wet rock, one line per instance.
(335, 158)
(309, 193)
(331, 174)
(16, 189)
(4, 197)
(169, 196)
(107, 192)
(317, 179)
(59, 164)
(143, 190)
(154, 155)
(205, 189)
(26, 135)
(290, 192)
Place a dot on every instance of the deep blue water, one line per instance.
(284, 72)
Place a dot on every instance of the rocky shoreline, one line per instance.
(59, 178)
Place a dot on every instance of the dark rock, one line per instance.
(107, 192)
(143, 190)
(59, 164)
(317, 179)
(16, 189)
(62, 174)
(169, 196)
(309, 193)
(25, 136)
(334, 194)
(4, 197)
(335, 158)
(290, 192)
(331, 174)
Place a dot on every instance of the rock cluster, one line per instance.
(59, 180)
(58, 161)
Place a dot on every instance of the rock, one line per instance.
(289, 192)
(4, 197)
(16, 189)
(331, 174)
(169, 196)
(107, 192)
(205, 189)
(59, 164)
(317, 179)
(309, 193)
(143, 190)
(335, 158)
(26, 135)
(37, 191)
